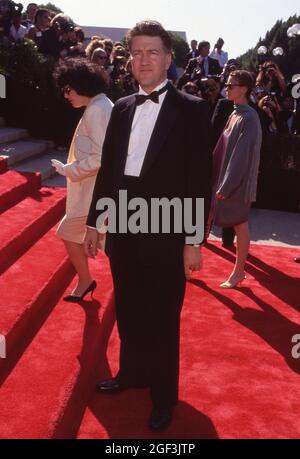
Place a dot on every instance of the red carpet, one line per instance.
(15, 185)
(238, 379)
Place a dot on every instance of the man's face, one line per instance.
(220, 44)
(204, 51)
(212, 88)
(193, 45)
(31, 10)
(150, 61)
(45, 20)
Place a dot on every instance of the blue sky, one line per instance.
(239, 22)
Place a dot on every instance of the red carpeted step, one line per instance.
(14, 186)
(28, 286)
(45, 395)
(22, 225)
(238, 377)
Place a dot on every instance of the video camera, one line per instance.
(7, 10)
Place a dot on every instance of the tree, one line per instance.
(276, 37)
(51, 7)
(180, 48)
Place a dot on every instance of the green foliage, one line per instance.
(276, 37)
(51, 7)
(22, 62)
(180, 48)
(30, 87)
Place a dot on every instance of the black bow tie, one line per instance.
(154, 96)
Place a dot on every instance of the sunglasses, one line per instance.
(67, 90)
(230, 85)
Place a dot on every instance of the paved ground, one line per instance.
(267, 227)
(270, 227)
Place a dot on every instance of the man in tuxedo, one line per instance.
(200, 66)
(193, 52)
(150, 151)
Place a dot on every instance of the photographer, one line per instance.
(200, 66)
(211, 91)
(8, 9)
(218, 53)
(41, 24)
(289, 117)
(270, 106)
(271, 79)
(231, 66)
(17, 31)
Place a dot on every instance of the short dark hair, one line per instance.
(244, 78)
(203, 44)
(152, 29)
(39, 13)
(79, 34)
(81, 75)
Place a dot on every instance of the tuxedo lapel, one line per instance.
(124, 130)
(165, 120)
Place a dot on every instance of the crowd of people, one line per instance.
(205, 75)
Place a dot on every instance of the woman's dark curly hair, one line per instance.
(81, 75)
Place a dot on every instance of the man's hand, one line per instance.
(192, 259)
(90, 243)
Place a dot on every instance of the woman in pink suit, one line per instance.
(83, 85)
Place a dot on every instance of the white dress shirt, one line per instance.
(18, 34)
(221, 58)
(206, 66)
(142, 127)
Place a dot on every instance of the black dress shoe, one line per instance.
(110, 386)
(113, 386)
(160, 419)
(297, 260)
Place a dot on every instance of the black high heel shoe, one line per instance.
(75, 299)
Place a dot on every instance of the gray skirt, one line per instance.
(229, 212)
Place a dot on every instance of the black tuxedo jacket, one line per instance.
(190, 55)
(177, 164)
(213, 66)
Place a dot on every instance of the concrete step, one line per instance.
(23, 149)
(8, 134)
(41, 164)
(56, 181)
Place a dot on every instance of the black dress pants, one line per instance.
(148, 305)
